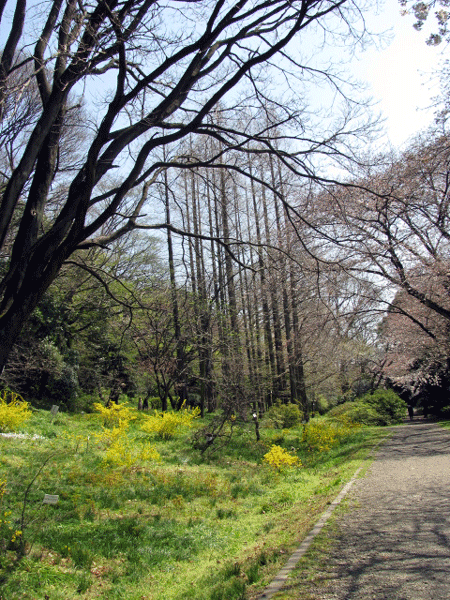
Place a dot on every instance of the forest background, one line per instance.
(182, 224)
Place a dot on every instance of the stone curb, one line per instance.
(280, 579)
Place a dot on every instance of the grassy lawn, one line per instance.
(140, 517)
(445, 424)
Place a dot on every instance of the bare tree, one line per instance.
(415, 342)
(161, 70)
(390, 228)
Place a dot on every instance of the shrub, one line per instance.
(13, 411)
(124, 453)
(320, 435)
(388, 405)
(284, 416)
(167, 425)
(279, 458)
(63, 386)
(445, 412)
(358, 412)
(155, 403)
(322, 404)
(84, 403)
(121, 449)
(115, 415)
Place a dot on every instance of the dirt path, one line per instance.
(394, 542)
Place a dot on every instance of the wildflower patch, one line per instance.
(115, 415)
(123, 450)
(167, 425)
(322, 435)
(279, 458)
(14, 411)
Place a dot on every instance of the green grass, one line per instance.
(445, 424)
(190, 526)
(312, 575)
(309, 579)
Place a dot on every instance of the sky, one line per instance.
(400, 74)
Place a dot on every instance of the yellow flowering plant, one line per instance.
(279, 458)
(124, 452)
(14, 411)
(115, 415)
(121, 449)
(322, 435)
(167, 425)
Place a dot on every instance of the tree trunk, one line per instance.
(269, 353)
(181, 388)
(280, 368)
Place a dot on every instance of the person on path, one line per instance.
(410, 412)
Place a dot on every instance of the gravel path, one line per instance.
(394, 542)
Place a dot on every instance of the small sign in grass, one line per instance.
(50, 499)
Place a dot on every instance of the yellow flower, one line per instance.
(13, 412)
(278, 458)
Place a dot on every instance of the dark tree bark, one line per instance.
(268, 346)
(163, 90)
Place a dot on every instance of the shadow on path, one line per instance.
(394, 544)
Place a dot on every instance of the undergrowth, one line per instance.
(141, 514)
(14, 411)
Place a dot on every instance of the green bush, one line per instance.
(322, 405)
(357, 412)
(154, 403)
(283, 416)
(83, 403)
(382, 407)
(445, 412)
(340, 409)
(387, 404)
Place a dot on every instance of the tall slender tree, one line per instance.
(160, 70)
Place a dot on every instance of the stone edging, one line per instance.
(280, 579)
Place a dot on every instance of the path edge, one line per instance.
(280, 579)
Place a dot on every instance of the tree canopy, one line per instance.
(178, 220)
(105, 87)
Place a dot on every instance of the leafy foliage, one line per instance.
(358, 412)
(284, 416)
(387, 404)
(167, 425)
(382, 407)
(279, 458)
(14, 411)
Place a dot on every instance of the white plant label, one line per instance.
(50, 499)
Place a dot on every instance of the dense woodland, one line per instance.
(180, 223)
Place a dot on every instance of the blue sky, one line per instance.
(398, 71)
